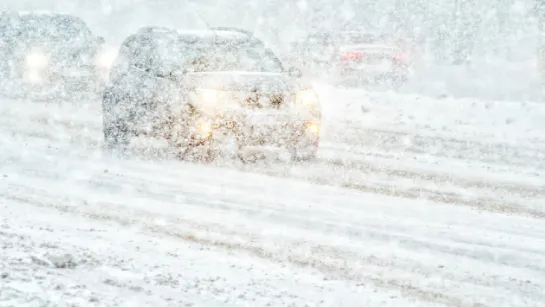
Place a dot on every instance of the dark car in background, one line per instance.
(198, 90)
(44, 52)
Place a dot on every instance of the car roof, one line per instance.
(341, 32)
(38, 13)
(207, 34)
(213, 33)
(14, 16)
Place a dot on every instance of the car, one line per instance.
(44, 51)
(202, 90)
(354, 56)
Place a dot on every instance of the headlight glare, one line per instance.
(307, 98)
(313, 128)
(206, 128)
(209, 100)
(37, 59)
(33, 76)
(209, 97)
(106, 59)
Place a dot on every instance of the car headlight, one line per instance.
(313, 128)
(205, 129)
(209, 97)
(37, 59)
(207, 100)
(307, 98)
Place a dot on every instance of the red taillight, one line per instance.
(352, 56)
(398, 56)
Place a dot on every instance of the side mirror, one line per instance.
(295, 72)
(101, 40)
(178, 73)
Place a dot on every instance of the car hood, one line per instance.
(243, 81)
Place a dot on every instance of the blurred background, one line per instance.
(485, 49)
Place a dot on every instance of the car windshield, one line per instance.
(233, 57)
(55, 28)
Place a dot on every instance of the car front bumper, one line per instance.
(247, 131)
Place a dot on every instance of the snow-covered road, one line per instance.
(413, 202)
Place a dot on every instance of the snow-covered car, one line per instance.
(44, 51)
(353, 56)
(200, 89)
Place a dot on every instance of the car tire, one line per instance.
(115, 133)
(205, 153)
(397, 81)
(306, 153)
(304, 157)
(116, 138)
(209, 155)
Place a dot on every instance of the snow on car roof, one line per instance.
(213, 33)
(38, 13)
(207, 33)
(11, 16)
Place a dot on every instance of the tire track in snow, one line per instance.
(329, 261)
(441, 146)
(481, 203)
(89, 137)
(369, 167)
(340, 254)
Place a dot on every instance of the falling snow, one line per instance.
(272, 153)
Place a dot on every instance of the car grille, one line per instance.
(260, 100)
